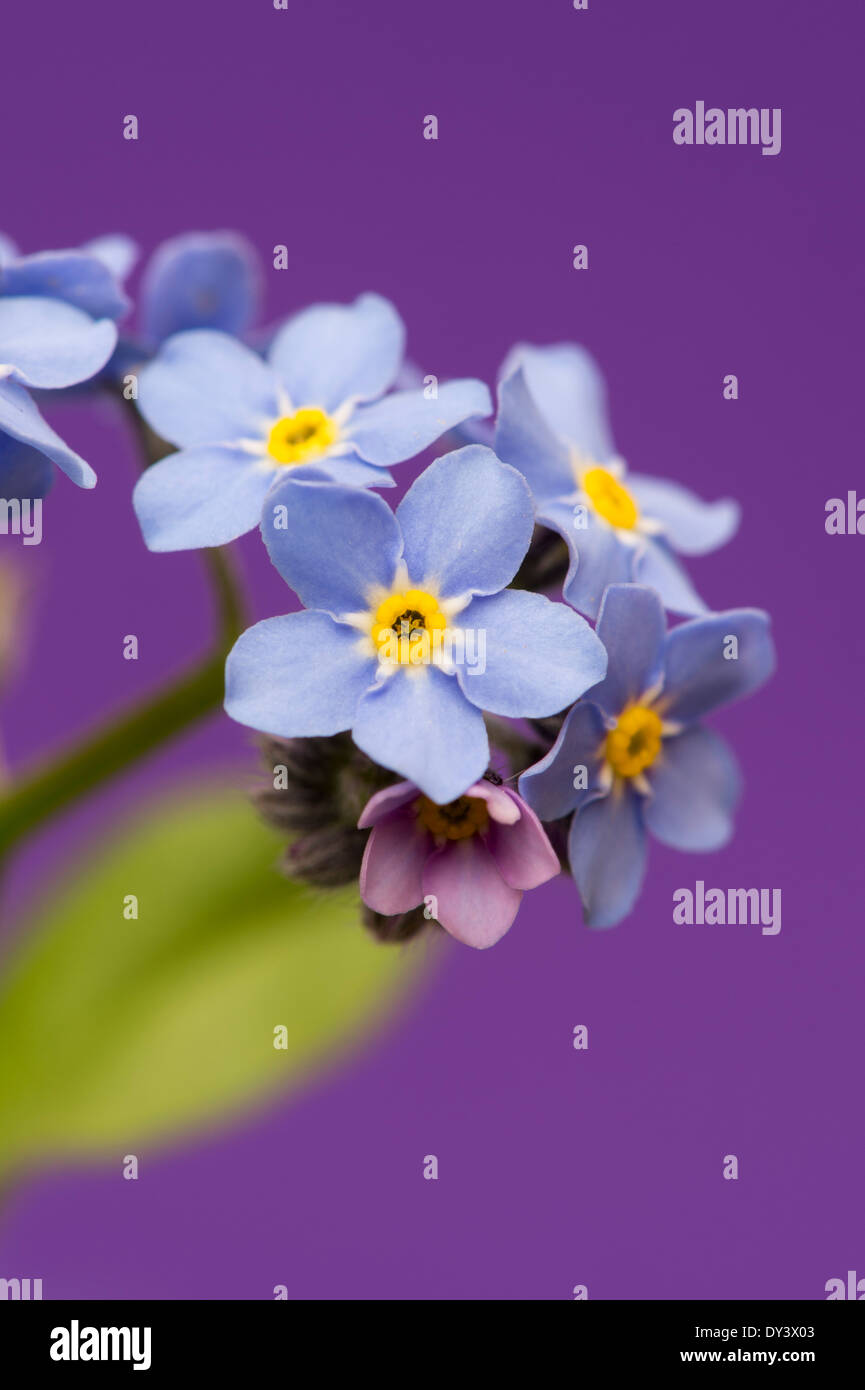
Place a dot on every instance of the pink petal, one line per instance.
(473, 902)
(523, 854)
(390, 799)
(499, 803)
(391, 876)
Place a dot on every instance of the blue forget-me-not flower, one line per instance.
(552, 425)
(317, 407)
(631, 758)
(409, 632)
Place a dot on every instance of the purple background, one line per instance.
(305, 127)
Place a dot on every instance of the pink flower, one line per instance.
(474, 857)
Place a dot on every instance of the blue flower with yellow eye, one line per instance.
(57, 312)
(631, 758)
(409, 631)
(316, 408)
(552, 425)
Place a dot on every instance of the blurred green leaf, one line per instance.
(114, 1033)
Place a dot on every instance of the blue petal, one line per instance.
(72, 277)
(472, 432)
(695, 789)
(699, 677)
(333, 545)
(632, 627)
(25, 472)
(116, 251)
(569, 389)
(467, 522)
(418, 723)
(20, 418)
(8, 250)
(656, 566)
(332, 353)
(204, 387)
(692, 526)
(548, 786)
(200, 280)
(300, 676)
(524, 440)
(607, 848)
(598, 557)
(402, 424)
(346, 469)
(50, 344)
(538, 656)
(202, 496)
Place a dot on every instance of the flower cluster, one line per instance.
(444, 723)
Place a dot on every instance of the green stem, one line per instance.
(38, 795)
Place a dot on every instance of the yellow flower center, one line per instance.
(405, 626)
(610, 499)
(635, 742)
(458, 820)
(305, 435)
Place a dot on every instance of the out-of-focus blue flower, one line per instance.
(56, 330)
(197, 280)
(631, 757)
(118, 253)
(90, 278)
(200, 280)
(83, 278)
(552, 425)
(410, 632)
(316, 407)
